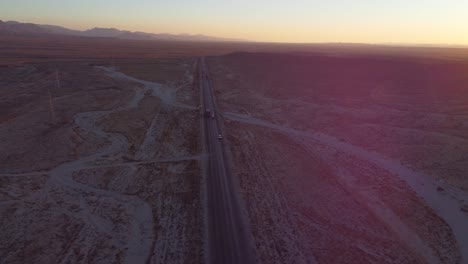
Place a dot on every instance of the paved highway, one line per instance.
(227, 238)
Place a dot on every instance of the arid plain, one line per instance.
(341, 153)
(97, 165)
(349, 158)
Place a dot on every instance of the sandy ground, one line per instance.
(110, 176)
(340, 163)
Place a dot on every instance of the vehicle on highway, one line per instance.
(208, 112)
(212, 115)
(220, 137)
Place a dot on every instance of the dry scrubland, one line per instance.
(349, 158)
(25, 49)
(325, 142)
(114, 176)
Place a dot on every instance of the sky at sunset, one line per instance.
(364, 21)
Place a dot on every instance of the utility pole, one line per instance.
(57, 78)
(52, 97)
(51, 105)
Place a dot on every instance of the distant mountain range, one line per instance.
(29, 29)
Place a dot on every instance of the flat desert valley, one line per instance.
(337, 153)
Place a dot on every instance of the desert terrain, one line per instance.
(100, 163)
(337, 153)
(349, 159)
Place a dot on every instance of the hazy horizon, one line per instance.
(363, 21)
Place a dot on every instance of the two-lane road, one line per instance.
(227, 238)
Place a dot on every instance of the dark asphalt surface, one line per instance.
(227, 238)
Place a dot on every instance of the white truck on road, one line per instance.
(209, 113)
